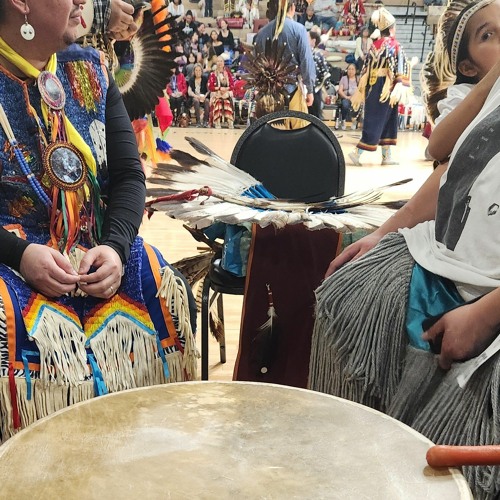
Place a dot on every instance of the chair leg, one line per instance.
(222, 341)
(204, 328)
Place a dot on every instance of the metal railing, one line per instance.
(423, 43)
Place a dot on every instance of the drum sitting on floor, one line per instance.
(222, 440)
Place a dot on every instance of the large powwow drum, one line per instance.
(222, 440)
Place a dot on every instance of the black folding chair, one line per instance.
(304, 164)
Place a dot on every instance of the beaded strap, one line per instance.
(25, 168)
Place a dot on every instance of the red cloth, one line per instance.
(239, 89)
(163, 114)
(293, 261)
(181, 85)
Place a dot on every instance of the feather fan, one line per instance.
(203, 192)
(141, 66)
(145, 61)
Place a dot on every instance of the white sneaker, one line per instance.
(389, 161)
(354, 157)
(353, 126)
(343, 125)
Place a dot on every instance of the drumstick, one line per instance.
(456, 456)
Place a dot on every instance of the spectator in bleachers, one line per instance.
(347, 87)
(322, 76)
(309, 18)
(188, 25)
(327, 13)
(203, 38)
(226, 36)
(353, 14)
(177, 92)
(363, 45)
(191, 44)
(198, 95)
(189, 68)
(176, 8)
(215, 46)
(180, 55)
(220, 85)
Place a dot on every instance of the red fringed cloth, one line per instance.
(293, 261)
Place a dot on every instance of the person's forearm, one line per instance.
(420, 208)
(445, 135)
(11, 249)
(488, 309)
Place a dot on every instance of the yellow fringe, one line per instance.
(386, 89)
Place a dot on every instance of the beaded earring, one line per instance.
(27, 31)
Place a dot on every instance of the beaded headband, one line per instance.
(459, 32)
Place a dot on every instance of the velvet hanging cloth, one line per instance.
(293, 261)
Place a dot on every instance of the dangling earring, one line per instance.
(27, 31)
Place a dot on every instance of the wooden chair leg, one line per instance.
(222, 341)
(204, 327)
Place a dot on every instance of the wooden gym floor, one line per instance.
(176, 243)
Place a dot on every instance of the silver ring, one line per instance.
(112, 289)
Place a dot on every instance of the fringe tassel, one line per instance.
(47, 399)
(112, 349)
(173, 290)
(62, 350)
(386, 89)
(359, 96)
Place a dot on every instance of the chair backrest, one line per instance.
(304, 164)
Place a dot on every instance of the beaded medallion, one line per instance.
(65, 166)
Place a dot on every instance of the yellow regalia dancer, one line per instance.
(86, 307)
(384, 83)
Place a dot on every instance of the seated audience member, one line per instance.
(177, 93)
(189, 68)
(327, 13)
(363, 45)
(214, 46)
(220, 85)
(176, 8)
(181, 58)
(199, 95)
(188, 25)
(203, 37)
(427, 285)
(309, 18)
(353, 14)
(347, 87)
(86, 307)
(226, 36)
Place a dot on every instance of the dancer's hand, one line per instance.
(465, 331)
(121, 22)
(105, 278)
(48, 271)
(353, 252)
